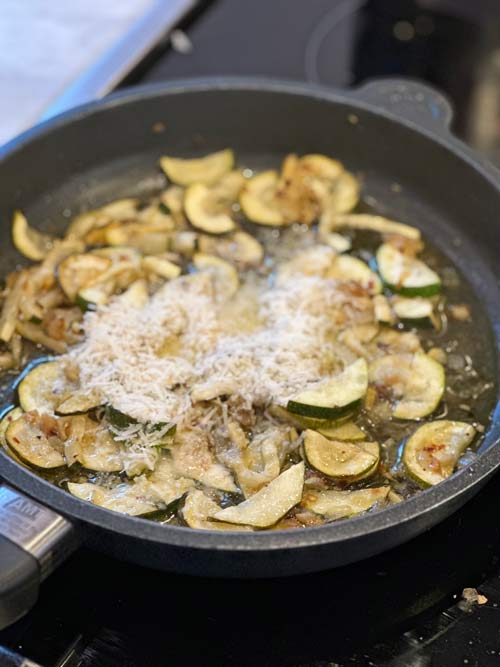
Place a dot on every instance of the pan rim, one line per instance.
(461, 483)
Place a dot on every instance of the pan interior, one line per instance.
(107, 155)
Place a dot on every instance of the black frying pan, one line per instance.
(394, 131)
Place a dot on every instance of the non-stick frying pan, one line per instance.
(395, 132)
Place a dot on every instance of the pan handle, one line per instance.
(34, 540)
(409, 100)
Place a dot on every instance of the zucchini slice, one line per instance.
(77, 271)
(416, 310)
(202, 211)
(44, 387)
(332, 220)
(270, 504)
(345, 267)
(238, 247)
(206, 170)
(30, 242)
(123, 498)
(432, 452)
(258, 200)
(136, 295)
(406, 275)
(78, 403)
(6, 421)
(344, 195)
(91, 445)
(164, 485)
(415, 382)
(335, 397)
(197, 509)
(346, 431)
(339, 459)
(225, 276)
(25, 437)
(382, 309)
(161, 267)
(342, 504)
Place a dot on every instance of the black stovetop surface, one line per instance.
(404, 607)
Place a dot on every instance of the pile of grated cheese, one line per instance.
(153, 363)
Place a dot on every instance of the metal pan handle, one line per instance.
(409, 100)
(34, 540)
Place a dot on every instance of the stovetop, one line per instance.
(404, 607)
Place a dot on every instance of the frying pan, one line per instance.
(396, 132)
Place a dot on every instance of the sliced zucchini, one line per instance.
(161, 267)
(335, 397)
(27, 439)
(415, 383)
(321, 166)
(30, 242)
(303, 423)
(337, 242)
(270, 504)
(6, 421)
(406, 275)
(432, 452)
(148, 238)
(225, 276)
(164, 485)
(238, 247)
(198, 203)
(89, 298)
(415, 310)
(92, 446)
(118, 210)
(332, 220)
(197, 509)
(44, 387)
(77, 271)
(340, 459)
(123, 498)
(136, 295)
(78, 403)
(258, 200)
(346, 431)
(342, 504)
(346, 268)
(382, 309)
(344, 195)
(192, 457)
(206, 170)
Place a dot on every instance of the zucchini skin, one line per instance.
(323, 412)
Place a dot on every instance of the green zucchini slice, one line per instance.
(30, 242)
(44, 387)
(258, 200)
(345, 267)
(335, 397)
(238, 247)
(207, 170)
(432, 452)
(91, 445)
(197, 509)
(335, 505)
(225, 276)
(344, 195)
(342, 431)
(197, 207)
(6, 421)
(26, 438)
(78, 403)
(123, 498)
(382, 309)
(339, 459)
(78, 271)
(415, 383)
(406, 275)
(332, 220)
(270, 504)
(414, 311)
(161, 267)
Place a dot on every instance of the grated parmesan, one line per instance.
(153, 363)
